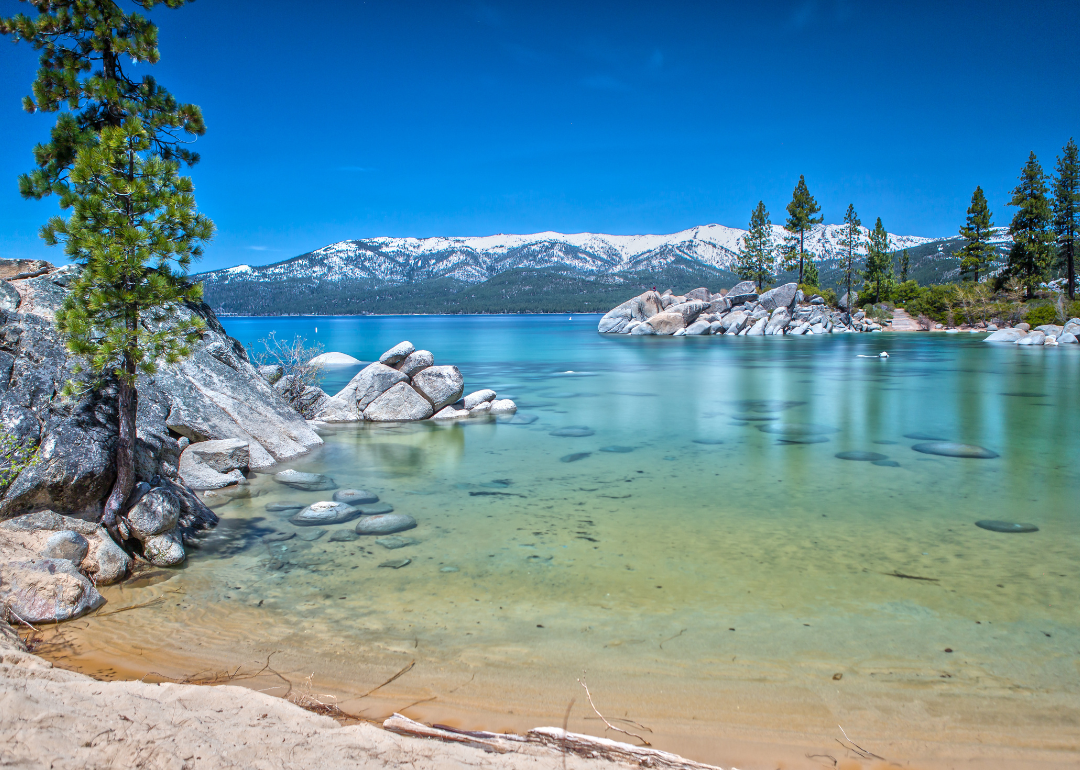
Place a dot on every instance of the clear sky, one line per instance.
(342, 119)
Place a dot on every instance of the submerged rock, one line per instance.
(324, 512)
(886, 463)
(343, 536)
(574, 457)
(708, 441)
(394, 542)
(573, 431)
(396, 563)
(385, 524)
(308, 482)
(859, 456)
(918, 436)
(375, 509)
(284, 506)
(355, 496)
(1006, 526)
(615, 448)
(796, 429)
(955, 449)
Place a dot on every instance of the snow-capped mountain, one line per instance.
(397, 261)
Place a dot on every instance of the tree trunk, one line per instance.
(127, 407)
(801, 255)
(1069, 267)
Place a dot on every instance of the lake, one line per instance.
(733, 588)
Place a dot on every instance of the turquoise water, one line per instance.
(699, 563)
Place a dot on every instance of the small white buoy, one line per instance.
(316, 329)
(571, 318)
(883, 354)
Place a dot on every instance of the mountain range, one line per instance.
(543, 272)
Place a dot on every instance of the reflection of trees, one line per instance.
(406, 450)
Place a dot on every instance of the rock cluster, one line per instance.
(1047, 334)
(405, 385)
(740, 311)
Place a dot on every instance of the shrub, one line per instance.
(1072, 310)
(300, 379)
(934, 302)
(829, 295)
(1042, 314)
(906, 291)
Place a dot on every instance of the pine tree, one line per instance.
(801, 217)
(1067, 211)
(811, 276)
(1032, 249)
(977, 253)
(905, 264)
(757, 255)
(851, 241)
(878, 265)
(112, 159)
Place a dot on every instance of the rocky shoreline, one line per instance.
(740, 311)
(1046, 335)
(203, 427)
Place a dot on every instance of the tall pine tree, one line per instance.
(1067, 211)
(905, 264)
(802, 213)
(757, 255)
(851, 241)
(878, 264)
(977, 253)
(112, 159)
(1033, 239)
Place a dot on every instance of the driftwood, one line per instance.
(554, 739)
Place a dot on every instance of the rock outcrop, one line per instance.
(1046, 335)
(406, 385)
(741, 312)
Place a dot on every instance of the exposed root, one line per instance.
(151, 603)
(610, 726)
(863, 753)
(399, 674)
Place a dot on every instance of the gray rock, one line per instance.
(1050, 330)
(334, 409)
(164, 550)
(758, 329)
(309, 482)
(1032, 338)
(640, 309)
(955, 449)
(278, 537)
(397, 354)
(9, 297)
(223, 455)
(272, 372)
(643, 329)
(450, 413)
(324, 512)
(502, 406)
(385, 524)
(716, 327)
(701, 294)
(665, 323)
(36, 590)
(355, 497)
(394, 542)
(415, 362)
(742, 292)
(156, 513)
(1066, 338)
(688, 310)
(1023, 327)
(375, 509)
(698, 328)
(399, 403)
(312, 536)
(343, 536)
(284, 506)
(719, 305)
(440, 385)
(396, 563)
(845, 304)
(198, 475)
(778, 321)
(1072, 327)
(481, 409)
(368, 384)
(67, 544)
(106, 562)
(992, 328)
(817, 299)
(479, 397)
(780, 297)
(734, 322)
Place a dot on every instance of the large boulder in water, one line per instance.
(325, 512)
(1006, 335)
(399, 403)
(688, 310)
(368, 384)
(780, 297)
(397, 354)
(385, 524)
(415, 362)
(955, 449)
(640, 308)
(666, 323)
(778, 321)
(1032, 338)
(440, 385)
(308, 482)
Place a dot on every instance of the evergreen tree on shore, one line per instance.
(1032, 249)
(1067, 211)
(802, 213)
(112, 159)
(976, 254)
(878, 265)
(757, 255)
(851, 241)
(905, 264)
(810, 273)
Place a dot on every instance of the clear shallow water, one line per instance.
(702, 569)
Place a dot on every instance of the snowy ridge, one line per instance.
(393, 261)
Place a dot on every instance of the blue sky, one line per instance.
(336, 120)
